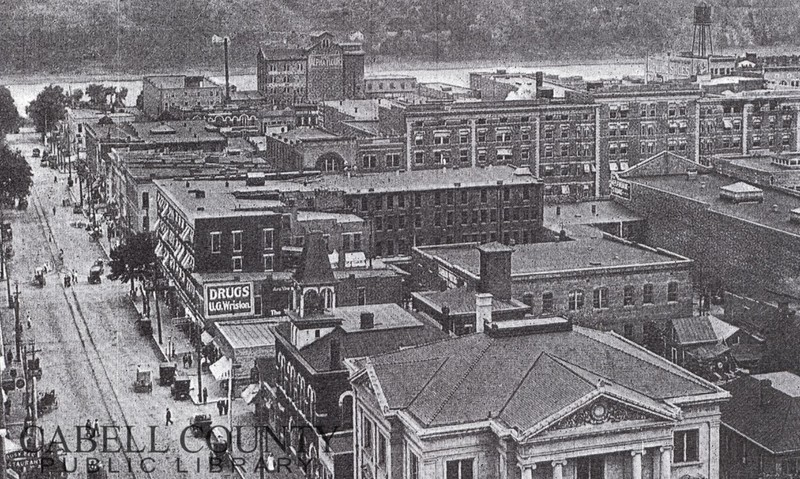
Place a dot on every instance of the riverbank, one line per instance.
(377, 65)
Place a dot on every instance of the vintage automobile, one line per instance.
(166, 373)
(47, 402)
(38, 277)
(144, 380)
(180, 389)
(95, 275)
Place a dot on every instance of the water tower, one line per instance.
(701, 39)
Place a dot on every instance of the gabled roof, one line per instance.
(315, 267)
(773, 423)
(457, 381)
(693, 330)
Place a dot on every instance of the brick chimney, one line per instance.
(495, 261)
(367, 320)
(336, 355)
(764, 387)
(483, 311)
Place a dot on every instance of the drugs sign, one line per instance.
(229, 299)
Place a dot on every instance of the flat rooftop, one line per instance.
(581, 214)
(303, 216)
(189, 131)
(306, 134)
(180, 81)
(543, 258)
(244, 334)
(763, 163)
(358, 109)
(447, 87)
(387, 316)
(706, 187)
(218, 202)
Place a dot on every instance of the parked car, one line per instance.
(37, 152)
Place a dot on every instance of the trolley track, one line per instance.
(110, 400)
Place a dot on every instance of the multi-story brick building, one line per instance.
(532, 399)
(602, 282)
(295, 68)
(181, 93)
(310, 394)
(556, 140)
(389, 86)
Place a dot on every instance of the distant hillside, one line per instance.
(70, 36)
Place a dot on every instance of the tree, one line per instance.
(133, 259)
(121, 95)
(97, 94)
(16, 177)
(76, 97)
(9, 116)
(48, 108)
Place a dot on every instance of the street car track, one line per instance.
(86, 339)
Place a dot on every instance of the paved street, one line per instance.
(90, 350)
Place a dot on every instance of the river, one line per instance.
(24, 92)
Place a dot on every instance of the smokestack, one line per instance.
(336, 359)
(539, 79)
(764, 387)
(495, 270)
(367, 320)
(483, 311)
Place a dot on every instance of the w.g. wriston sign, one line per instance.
(229, 299)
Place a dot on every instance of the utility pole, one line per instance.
(158, 311)
(3, 431)
(199, 348)
(17, 322)
(227, 75)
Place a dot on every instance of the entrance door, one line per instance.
(591, 467)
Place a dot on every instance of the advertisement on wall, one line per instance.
(620, 188)
(224, 300)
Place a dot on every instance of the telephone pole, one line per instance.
(17, 322)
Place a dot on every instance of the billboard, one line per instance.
(229, 299)
(620, 188)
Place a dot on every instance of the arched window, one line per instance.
(327, 296)
(312, 302)
(346, 412)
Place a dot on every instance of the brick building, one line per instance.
(310, 403)
(778, 170)
(179, 93)
(747, 248)
(295, 68)
(601, 282)
(389, 86)
(557, 141)
(532, 399)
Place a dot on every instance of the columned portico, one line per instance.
(558, 469)
(666, 462)
(636, 464)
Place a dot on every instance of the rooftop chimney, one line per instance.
(483, 311)
(495, 272)
(764, 385)
(539, 79)
(367, 320)
(336, 359)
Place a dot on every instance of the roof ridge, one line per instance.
(419, 391)
(467, 372)
(674, 369)
(570, 367)
(519, 384)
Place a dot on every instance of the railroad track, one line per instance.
(108, 395)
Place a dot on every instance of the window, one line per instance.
(547, 302)
(419, 157)
(672, 291)
(369, 161)
(627, 296)
(463, 136)
(381, 450)
(366, 437)
(393, 160)
(464, 197)
(145, 200)
(413, 466)
(627, 330)
(361, 294)
(216, 238)
(647, 294)
(146, 223)
(236, 263)
(575, 300)
(269, 262)
(463, 156)
(449, 218)
(461, 469)
(237, 241)
(600, 298)
(686, 446)
(268, 238)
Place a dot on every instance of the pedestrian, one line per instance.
(270, 462)
(89, 429)
(74, 276)
(96, 428)
(7, 406)
(219, 407)
(205, 395)
(28, 319)
(225, 408)
(169, 418)
(189, 359)
(55, 179)
(54, 210)
(9, 357)
(184, 361)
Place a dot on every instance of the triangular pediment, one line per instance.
(604, 412)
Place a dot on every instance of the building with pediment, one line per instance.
(532, 399)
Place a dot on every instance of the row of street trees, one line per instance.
(16, 177)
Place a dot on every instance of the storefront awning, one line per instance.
(250, 392)
(221, 369)
(206, 338)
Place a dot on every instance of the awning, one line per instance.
(728, 124)
(564, 189)
(250, 392)
(355, 259)
(613, 166)
(206, 338)
(221, 369)
(587, 168)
